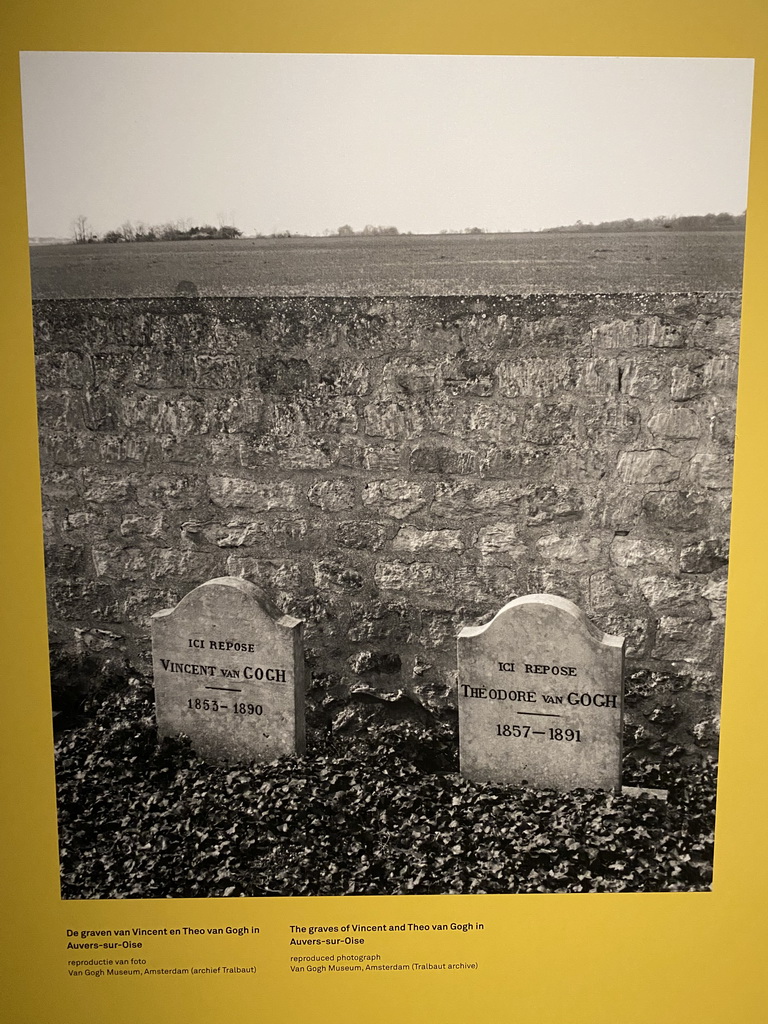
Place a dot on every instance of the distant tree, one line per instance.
(114, 236)
(345, 229)
(168, 232)
(81, 230)
(378, 229)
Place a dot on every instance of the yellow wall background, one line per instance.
(592, 959)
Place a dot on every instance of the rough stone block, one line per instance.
(425, 577)
(162, 490)
(62, 410)
(571, 550)
(505, 461)
(454, 500)
(61, 486)
(704, 556)
(395, 498)
(215, 371)
(438, 628)
(231, 492)
(409, 377)
(59, 369)
(722, 426)
(331, 572)
(375, 662)
(642, 332)
(673, 597)
(461, 376)
(641, 379)
(360, 535)
(550, 503)
(392, 420)
(66, 560)
(283, 376)
(715, 595)
(273, 575)
(721, 373)
(652, 466)
(706, 732)
(676, 422)
(715, 472)
(279, 452)
(676, 509)
(313, 415)
(90, 640)
(538, 378)
(500, 543)
(342, 377)
(333, 495)
(118, 562)
(103, 487)
(435, 458)
(373, 621)
(412, 540)
(677, 639)
(719, 333)
(377, 458)
(73, 601)
(169, 564)
(475, 418)
(634, 629)
(608, 590)
(79, 522)
(549, 423)
(616, 423)
(634, 552)
(687, 382)
(541, 326)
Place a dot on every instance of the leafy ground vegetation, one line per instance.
(138, 818)
(492, 264)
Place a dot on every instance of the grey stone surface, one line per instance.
(541, 698)
(229, 673)
(441, 454)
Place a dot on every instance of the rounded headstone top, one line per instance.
(554, 601)
(242, 586)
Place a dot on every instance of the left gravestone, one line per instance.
(229, 673)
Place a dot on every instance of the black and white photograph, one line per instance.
(386, 417)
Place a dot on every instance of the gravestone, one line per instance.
(540, 698)
(229, 673)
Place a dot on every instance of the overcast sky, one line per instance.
(308, 142)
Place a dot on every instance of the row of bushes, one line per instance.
(158, 233)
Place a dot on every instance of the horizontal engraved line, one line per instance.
(228, 689)
(538, 714)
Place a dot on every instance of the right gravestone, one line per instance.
(540, 698)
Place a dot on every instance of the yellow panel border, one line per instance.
(593, 959)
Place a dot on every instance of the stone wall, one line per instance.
(392, 469)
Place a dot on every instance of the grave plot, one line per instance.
(229, 673)
(540, 698)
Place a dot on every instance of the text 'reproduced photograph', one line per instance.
(386, 412)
